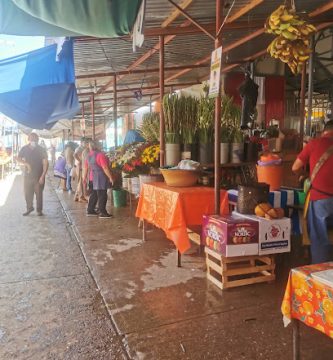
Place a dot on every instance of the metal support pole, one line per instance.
(310, 86)
(302, 103)
(73, 130)
(296, 339)
(84, 130)
(63, 139)
(162, 125)
(217, 125)
(92, 106)
(115, 109)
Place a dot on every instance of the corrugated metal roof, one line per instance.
(113, 55)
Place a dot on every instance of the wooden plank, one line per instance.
(214, 266)
(215, 281)
(249, 281)
(193, 236)
(248, 270)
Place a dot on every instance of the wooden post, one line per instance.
(302, 104)
(310, 86)
(217, 125)
(92, 105)
(162, 125)
(115, 110)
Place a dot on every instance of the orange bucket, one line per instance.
(271, 175)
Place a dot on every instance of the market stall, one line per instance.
(308, 299)
(173, 209)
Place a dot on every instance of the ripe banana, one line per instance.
(291, 45)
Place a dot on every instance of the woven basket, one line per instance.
(180, 178)
(249, 196)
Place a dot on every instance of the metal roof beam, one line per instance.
(321, 9)
(139, 71)
(155, 86)
(241, 42)
(156, 48)
(193, 21)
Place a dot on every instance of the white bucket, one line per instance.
(135, 186)
(172, 154)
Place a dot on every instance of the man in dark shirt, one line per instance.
(320, 214)
(34, 159)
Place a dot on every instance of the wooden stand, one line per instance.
(238, 271)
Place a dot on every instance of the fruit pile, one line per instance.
(292, 42)
(267, 211)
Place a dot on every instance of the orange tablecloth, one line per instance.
(172, 209)
(309, 300)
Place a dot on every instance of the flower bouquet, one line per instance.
(151, 157)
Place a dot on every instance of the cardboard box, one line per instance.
(230, 235)
(274, 235)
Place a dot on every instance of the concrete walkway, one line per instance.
(50, 307)
(166, 312)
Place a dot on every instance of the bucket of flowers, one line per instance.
(151, 158)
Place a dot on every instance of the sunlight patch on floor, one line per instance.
(5, 187)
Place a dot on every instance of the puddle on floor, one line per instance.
(166, 273)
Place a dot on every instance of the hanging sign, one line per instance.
(215, 73)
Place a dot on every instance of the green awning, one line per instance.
(98, 18)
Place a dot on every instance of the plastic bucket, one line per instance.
(119, 198)
(224, 148)
(271, 175)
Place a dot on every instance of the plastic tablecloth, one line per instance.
(172, 209)
(309, 300)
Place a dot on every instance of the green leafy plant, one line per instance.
(150, 127)
(188, 119)
(230, 121)
(172, 115)
(206, 110)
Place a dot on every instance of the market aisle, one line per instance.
(49, 305)
(168, 313)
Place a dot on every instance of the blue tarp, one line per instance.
(37, 88)
(132, 136)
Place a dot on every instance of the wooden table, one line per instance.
(309, 301)
(173, 209)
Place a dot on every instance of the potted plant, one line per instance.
(188, 126)
(230, 121)
(225, 144)
(237, 146)
(150, 157)
(150, 127)
(172, 114)
(206, 110)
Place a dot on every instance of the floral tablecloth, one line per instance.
(172, 209)
(309, 300)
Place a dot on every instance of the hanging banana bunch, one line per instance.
(292, 42)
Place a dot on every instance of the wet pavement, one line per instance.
(50, 307)
(145, 306)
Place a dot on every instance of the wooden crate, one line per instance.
(194, 234)
(238, 271)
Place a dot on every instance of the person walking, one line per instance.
(80, 193)
(100, 177)
(320, 211)
(34, 159)
(69, 156)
